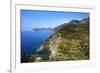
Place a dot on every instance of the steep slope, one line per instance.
(74, 43)
(69, 42)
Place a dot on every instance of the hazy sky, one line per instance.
(47, 19)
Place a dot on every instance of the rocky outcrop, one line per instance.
(51, 45)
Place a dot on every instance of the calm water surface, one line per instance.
(31, 40)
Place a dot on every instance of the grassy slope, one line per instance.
(74, 42)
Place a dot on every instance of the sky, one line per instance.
(31, 19)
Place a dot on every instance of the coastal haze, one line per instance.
(42, 30)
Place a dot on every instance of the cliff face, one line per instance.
(51, 44)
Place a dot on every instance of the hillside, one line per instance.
(69, 42)
(74, 43)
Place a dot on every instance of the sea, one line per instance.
(32, 40)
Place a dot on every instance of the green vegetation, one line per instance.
(32, 58)
(74, 42)
(69, 42)
(25, 59)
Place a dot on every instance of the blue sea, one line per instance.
(31, 40)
